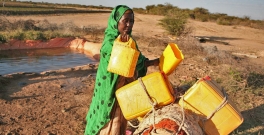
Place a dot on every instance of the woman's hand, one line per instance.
(124, 37)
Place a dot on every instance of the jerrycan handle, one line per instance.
(130, 43)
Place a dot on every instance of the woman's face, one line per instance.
(126, 22)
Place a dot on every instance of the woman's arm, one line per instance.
(154, 62)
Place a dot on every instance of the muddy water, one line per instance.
(39, 60)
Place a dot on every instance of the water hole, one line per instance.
(39, 60)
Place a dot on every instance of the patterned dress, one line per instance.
(103, 100)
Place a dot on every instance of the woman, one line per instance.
(104, 116)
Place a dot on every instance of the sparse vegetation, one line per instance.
(204, 15)
(32, 8)
(41, 30)
(174, 20)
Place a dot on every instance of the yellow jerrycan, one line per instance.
(137, 98)
(219, 115)
(123, 59)
(170, 58)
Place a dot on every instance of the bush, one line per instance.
(223, 21)
(139, 10)
(160, 9)
(202, 18)
(2, 38)
(174, 22)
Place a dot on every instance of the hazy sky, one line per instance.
(251, 8)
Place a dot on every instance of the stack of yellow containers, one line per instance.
(139, 97)
(219, 116)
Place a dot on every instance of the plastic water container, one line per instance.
(205, 98)
(123, 59)
(170, 58)
(134, 101)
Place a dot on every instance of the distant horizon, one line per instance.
(239, 8)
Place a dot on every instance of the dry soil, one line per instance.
(56, 102)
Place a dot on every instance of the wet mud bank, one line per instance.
(91, 49)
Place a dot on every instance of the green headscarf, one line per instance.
(104, 90)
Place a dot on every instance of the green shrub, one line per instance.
(19, 35)
(223, 21)
(202, 18)
(3, 38)
(160, 9)
(139, 10)
(235, 74)
(200, 11)
(174, 22)
(236, 21)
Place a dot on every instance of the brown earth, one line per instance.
(56, 102)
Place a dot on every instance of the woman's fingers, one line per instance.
(124, 37)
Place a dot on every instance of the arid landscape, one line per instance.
(56, 102)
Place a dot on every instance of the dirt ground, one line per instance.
(56, 102)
